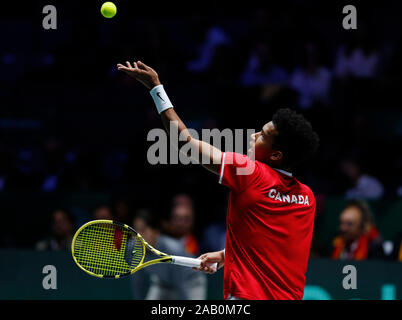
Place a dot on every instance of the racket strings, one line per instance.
(108, 250)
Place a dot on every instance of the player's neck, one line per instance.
(277, 165)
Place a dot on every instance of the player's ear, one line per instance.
(276, 156)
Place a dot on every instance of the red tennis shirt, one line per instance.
(270, 219)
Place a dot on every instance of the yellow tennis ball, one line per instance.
(108, 10)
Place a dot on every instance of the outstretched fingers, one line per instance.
(130, 69)
(144, 66)
(122, 67)
(138, 66)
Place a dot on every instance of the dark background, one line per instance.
(66, 111)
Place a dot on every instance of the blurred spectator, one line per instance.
(182, 200)
(27, 167)
(312, 80)
(215, 37)
(62, 228)
(121, 210)
(359, 238)
(53, 158)
(364, 185)
(261, 68)
(167, 282)
(181, 222)
(103, 212)
(357, 58)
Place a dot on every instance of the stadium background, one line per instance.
(73, 131)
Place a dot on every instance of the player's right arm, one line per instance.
(149, 78)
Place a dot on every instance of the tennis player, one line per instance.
(270, 214)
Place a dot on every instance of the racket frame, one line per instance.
(164, 258)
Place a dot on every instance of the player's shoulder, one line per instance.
(307, 190)
(289, 180)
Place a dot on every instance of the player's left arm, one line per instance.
(150, 79)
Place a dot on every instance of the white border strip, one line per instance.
(222, 168)
(284, 172)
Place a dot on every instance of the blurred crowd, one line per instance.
(358, 237)
(69, 123)
(65, 129)
(177, 223)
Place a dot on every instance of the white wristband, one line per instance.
(161, 99)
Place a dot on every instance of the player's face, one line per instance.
(261, 143)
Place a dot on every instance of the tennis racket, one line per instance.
(110, 249)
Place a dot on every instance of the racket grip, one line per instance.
(191, 262)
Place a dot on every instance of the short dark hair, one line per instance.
(67, 213)
(149, 218)
(296, 137)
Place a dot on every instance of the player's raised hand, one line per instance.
(140, 71)
(208, 259)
